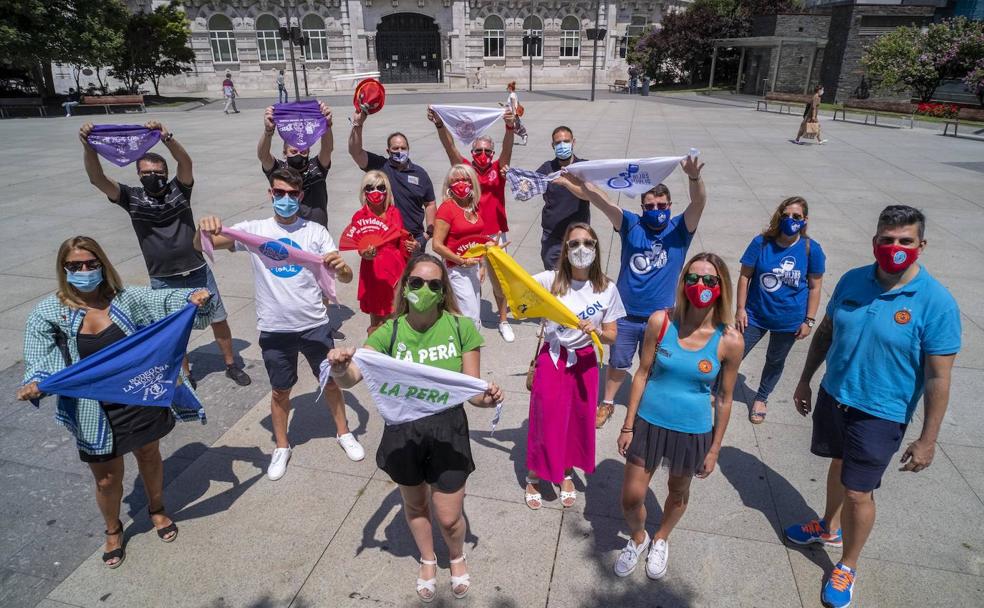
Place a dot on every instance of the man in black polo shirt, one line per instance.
(560, 207)
(314, 203)
(160, 211)
(413, 190)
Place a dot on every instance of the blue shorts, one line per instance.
(280, 350)
(628, 341)
(864, 442)
(201, 278)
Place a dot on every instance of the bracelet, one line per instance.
(440, 126)
(628, 430)
(694, 179)
(509, 128)
(168, 137)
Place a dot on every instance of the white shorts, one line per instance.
(468, 291)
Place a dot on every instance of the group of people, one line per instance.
(889, 335)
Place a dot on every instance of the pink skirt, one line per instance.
(563, 404)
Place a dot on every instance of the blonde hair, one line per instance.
(376, 178)
(771, 232)
(723, 314)
(449, 303)
(565, 273)
(457, 172)
(67, 293)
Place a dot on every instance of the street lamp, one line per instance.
(532, 45)
(293, 35)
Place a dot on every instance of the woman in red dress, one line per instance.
(382, 264)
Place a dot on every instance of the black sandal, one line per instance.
(119, 553)
(162, 533)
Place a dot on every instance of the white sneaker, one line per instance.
(821, 142)
(506, 332)
(659, 553)
(351, 446)
(278, 463)
(629, 557)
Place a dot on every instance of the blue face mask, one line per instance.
(789, 226)
(85, 280)
(655, 219)
(399, 157)
(285, 206)
(563, 149)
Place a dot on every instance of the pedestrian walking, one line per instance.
(811, 119)
(230, 93)
(281, 88)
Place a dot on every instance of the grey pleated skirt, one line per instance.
(682, 454)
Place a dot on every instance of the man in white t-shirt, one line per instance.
(290, 311)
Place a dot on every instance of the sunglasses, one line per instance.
(660, 206)
(418, 282)
(92, 264)
(278, 193)
(157, 173)
(369, 189)
(575, 243)
(709, 280)
(796, 216)
(488, 151)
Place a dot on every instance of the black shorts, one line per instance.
(434, 449)
(864, 442)
(280, 350)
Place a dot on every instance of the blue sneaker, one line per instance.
(839, 588)
(814, 531)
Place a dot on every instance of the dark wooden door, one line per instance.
(408, 48)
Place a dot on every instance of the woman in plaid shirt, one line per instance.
(91, 310)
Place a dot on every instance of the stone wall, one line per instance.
(797, 62)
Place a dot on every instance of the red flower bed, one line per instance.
(939, 110)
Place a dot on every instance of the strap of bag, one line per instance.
(396, 321)
(659, 338)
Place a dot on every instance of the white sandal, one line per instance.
(460, 581)
(535, 497)
(427, 585)
(572, 495)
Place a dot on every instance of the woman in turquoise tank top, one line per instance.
(670, 421)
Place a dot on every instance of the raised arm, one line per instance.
(454, 157)
(184, 171)
(213, 227)
(355, 149)
(266, 139)
(505, 157)
(591, 193)
(93, 168)
(327, 140)
(698, 197)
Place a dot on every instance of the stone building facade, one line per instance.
(455, 42)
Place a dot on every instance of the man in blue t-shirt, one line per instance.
(654, 249)
(890, 336)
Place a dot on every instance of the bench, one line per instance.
(7, 103)
(964, 114)
(112, 101)
(875, 108)
(618, 85)
(782, 100)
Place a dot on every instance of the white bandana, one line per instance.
(466, 123)
(631, 176)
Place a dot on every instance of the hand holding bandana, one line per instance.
(631, 176)
(466, 123)
(300, 123)
(122, 144)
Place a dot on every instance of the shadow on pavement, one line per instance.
(311, 418)
(206, 361)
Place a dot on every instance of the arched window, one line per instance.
(495, 37)
(268, 41)
(222, 39)
(313, 28)
(570, 37)
(533, 37)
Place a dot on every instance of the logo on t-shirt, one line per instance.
(704, 366)
(903, 316)
(786, 274)
(276, 251)
(590, 310)
(413, 179)
(646, 262)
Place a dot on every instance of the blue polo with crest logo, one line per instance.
(651, 263)
(876, 361)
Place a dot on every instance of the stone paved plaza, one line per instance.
(330, 533)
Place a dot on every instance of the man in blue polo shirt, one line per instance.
(654, 249)
(890, 335)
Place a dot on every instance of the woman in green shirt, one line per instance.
(430, 457)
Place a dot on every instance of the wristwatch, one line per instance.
(810, 322)
(168, 137)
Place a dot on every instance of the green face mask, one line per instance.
(422, 299)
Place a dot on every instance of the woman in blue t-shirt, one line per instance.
(676, 427)
(779, 292)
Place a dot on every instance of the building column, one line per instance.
(809, 70)
(741, 71)
(714, 59)
(775, 70)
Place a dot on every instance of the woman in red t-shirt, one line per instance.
(382, 264)
(458, 226)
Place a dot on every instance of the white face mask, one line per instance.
(580, 257)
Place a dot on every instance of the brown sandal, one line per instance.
(119, 553)
(605, 411)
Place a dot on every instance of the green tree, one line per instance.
(94, 37)
(155, 45)
(32, 35)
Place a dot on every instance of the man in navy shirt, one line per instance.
(654, 248)
(413, 191)
(890, 335)
(560, 207)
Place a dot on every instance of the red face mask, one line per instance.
(375, 197)
(700, 295)
(894, 259)
(462, 190)
(481, 158)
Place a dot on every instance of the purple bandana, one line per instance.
(300, 123)
(122, 144)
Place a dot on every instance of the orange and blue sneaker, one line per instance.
(839, 588)
(814, 531)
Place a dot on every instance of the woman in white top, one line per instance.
(565, 385)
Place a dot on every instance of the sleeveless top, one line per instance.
(678, 393)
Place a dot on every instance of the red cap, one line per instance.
(369, 96)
